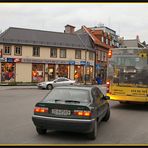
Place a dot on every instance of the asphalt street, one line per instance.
(127, 125)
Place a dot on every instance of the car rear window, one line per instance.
(68, 94)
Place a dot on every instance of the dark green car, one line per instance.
(75, 108)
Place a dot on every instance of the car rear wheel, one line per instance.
(41, 131)
(107, 115)
(94, 133)
(49, 87)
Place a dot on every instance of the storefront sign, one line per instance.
(17, 60)
(10, 60)
(82, 62)
(97, 66)
(72, 62)
(44, 61)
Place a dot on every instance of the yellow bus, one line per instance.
(127, 75)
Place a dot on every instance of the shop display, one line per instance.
(8, 72)
(37, 72)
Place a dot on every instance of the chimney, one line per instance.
(137, 37)
(69, 29)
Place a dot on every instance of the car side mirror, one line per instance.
(54, 81)
(106, 98)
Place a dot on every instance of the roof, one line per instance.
(132, 43)
(25, 36)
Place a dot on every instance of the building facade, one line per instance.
(102, 43)
(35, 56)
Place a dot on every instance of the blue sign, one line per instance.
(10, 60)
(82, 62)
(97, 66)
(72, 62)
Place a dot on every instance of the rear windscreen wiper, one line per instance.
(72, 101)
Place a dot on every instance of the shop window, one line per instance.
(89, 73)
(51, 72)
(78, 73)
(63, 71)
(17, 50)
(7, 50)
(63, 53)
(91, 55)
(78, 54)
(37, 72)
(8, 72)
(36, 51)
(53, 52)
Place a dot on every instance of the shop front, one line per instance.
(51, 72)
(38, 72)
(8, 72)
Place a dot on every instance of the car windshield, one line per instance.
(64, 94)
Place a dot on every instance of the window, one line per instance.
(17, 50)
(78, 54)
(63, 53)
(102, 56)
(53, 52)
(102, 39)
(99, 55)
(110, 43)
(7, 49)
(36, 51)
(106, 41)
(91, 55)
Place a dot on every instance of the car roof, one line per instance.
(82, 87)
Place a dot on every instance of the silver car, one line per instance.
(61, 81)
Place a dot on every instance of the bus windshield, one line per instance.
(128, 66)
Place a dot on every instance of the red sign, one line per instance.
(17, 60)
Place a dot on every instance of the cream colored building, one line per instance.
(34, 56)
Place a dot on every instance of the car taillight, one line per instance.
(40, 110)
(82, 113)
(108, 85)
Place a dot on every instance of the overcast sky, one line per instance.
(128, 20)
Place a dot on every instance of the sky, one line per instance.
(127, 19)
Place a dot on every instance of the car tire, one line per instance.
(41, 131)
(107, 115)
(94, 133)
(49, 87)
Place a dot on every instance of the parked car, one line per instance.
(73, 108)
(61, 81)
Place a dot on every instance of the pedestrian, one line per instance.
(98, 79)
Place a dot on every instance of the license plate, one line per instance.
(61, 112)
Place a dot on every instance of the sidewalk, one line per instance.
(17, 87)
(6, 87)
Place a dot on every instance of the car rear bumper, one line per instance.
(62, 124)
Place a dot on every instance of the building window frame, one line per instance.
(18, 50)
(77, 54)
(36, 51)
(62, 53)
(7, 49)
(53, 52)
(106, 41)
(102, 39)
